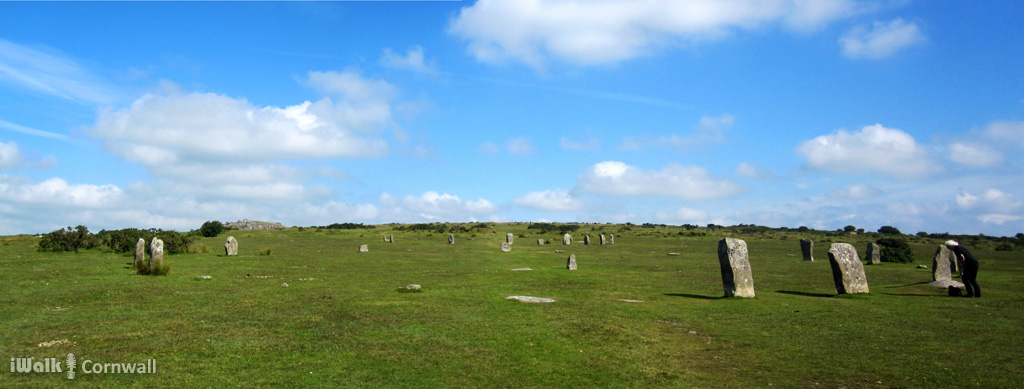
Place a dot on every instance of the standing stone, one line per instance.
(611, 239)
(941, 270)
(566, 239)
(385, 237)
(586, 239)
(508, 238)
(807, 248)
(737, 277)
(506, 247)
(451, 238)
(540, 242)
(847, 270)
(140, 253)
(571, 263)
(231, 246)
(364, 248)
(156, 253)
(603, 240)
(874, 256)
(391, 238)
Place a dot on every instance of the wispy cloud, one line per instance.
(881, 40)
(32, 131)
(413, 60)
(51, 73)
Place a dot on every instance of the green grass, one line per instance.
(343, 320)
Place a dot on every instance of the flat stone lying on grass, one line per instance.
(284, 284)
(807, 249)
(559, 251)
(847, 270)
(231, 246)
(530, 299)
(364, 248)
(737, 278)
(506, 247)
(922, 267)
(631, 301)
(522, 269)
(673, 253)
(571, 262)
(204, 277)
(412, 287)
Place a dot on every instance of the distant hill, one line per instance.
(246, 225)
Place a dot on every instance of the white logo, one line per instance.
(71, 366)
(51, 365)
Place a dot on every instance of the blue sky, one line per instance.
(791, 113)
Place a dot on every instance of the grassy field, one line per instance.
(343, 319)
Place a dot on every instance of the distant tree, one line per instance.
(895, 250)
(922, 234)
(803, 229)
(211, 229)
(850, 229)
(1020, 235)
(68, 240)
(889, 230)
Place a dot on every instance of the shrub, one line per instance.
(211, 229)
(889, 230)
(895, 250)
(267, 251)
(161, 270)
(68, 240)
(1005, 246)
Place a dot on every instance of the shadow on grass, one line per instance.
(911, 294)
(808, 294)
(901, 286)
(695, 296)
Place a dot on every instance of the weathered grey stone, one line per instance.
(874, 255)
(566, 239)
(522, 269)
(673, 254)
(631, 301)
(807, 249)
(412, 287)
(156, 253)
(385, 237)
(847, 269)
(603, 239)
(922, 267)
(140, 253)
(941, 269)
(204, 277)
(559, 251)
(611, 239)
(586, 239)
(284, 284)
(540, 242)
(571, 263)
(506, 247)
(391, 238)
(451, 239)
(508, 238)
(737, 277)
(530, 299)
(231, 246)
(364, 248)
(248, 225)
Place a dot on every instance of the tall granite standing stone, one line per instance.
(807, 248)
(566, 239)
(941, 271)
(364, 248)
(571, 263)
(737, 277)
(603, 240)
(391, 238)
(586, 240)
(611, 239)
(451, 239)
(847, 269)
(874, 256)
(156, 253)
(140, 253)
(540, 242)
(231, 246)
(508, 238)
(506, 247)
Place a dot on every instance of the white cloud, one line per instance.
(691, 215)
(9, 154)
(413, 60)
(32, 131)
(489, 148)
(1006, 131)
(974, 155)
(592, 32)
(51, 73)
(590, 144)
(997, 219)
(520, 146)
(872, 149)
(433, 206)
(57, 192)
(881, 40)
(710, 129)
(992, 200)
(688, 182)
(856, 192)
(557, 200)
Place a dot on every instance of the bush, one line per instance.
(889, 230)
(1005, 246)
(68, 240)
(267, 251)
(211, 229)
(161, 270)
(895, 250)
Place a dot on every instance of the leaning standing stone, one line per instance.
(571, 263)
(506, 247)
(941, 270)
(611, 239)
(364, 248)
(508, 238)
(140, 253)
(737, 277)
(807, 248)
(847, 270)
(451, 239)
(156, 253)
(231, 246)
(586, 239)
(874, 256)
(566, 239)
(603, 240)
